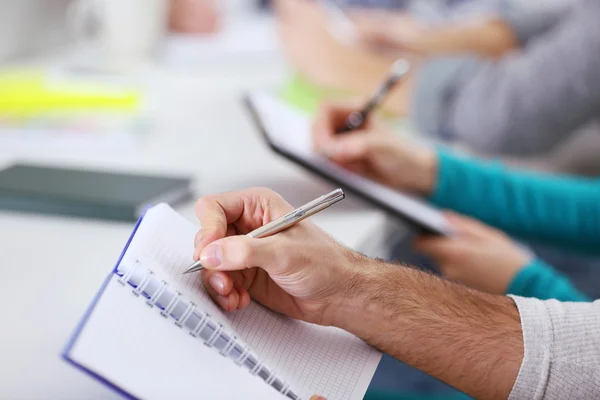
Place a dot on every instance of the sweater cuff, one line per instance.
(521, 25)
(536, 326)
(450, 178)
(435, 86)
(525, 277)
(531, 23)
(444, 181)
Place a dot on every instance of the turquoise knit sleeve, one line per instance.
(542, 281)
(563, 211)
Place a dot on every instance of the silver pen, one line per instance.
(288, 220)
(356, 119)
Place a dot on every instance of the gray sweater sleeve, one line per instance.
(562, 350)
(533, 22)
(524, 103)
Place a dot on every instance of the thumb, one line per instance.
(205, 236)
(237, 252)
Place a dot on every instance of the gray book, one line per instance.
(87, 193)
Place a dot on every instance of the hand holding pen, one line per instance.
(298, 272)
(357, 118)
(372, 150)
(287, 221)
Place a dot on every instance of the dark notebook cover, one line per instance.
(86, 193)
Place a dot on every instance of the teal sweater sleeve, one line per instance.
(563, 211)
(541, 281)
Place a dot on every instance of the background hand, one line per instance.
(404, 34)
(478, 256)
(397, 32)
(301, 272)
(311, 48)
(374, 152)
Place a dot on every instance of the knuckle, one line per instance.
(202, 203)
(265, 191)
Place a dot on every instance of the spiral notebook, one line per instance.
(154, 333)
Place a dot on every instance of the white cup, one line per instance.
(121, 33)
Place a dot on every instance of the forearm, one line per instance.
(465, 338)
(559, 210)
(489, 38)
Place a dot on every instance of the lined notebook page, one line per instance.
(311, 358)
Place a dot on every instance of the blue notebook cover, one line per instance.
(88, 312)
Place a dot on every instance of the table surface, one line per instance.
(52, 266)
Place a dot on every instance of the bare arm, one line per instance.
(479, 343)
(490, 38)
(468, 339)
(493, 37)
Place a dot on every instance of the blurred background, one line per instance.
(155, 86)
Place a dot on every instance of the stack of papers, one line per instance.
(37, 110)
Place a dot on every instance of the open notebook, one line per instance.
(154, 333)
(288, 132)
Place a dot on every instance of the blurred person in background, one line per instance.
(518, 84)
(563, 212)
(560, 210)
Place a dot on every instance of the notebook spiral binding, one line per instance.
(198, 324)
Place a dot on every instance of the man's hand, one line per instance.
(374, 152)
(468, 339)
(301, 272)
(478, 256)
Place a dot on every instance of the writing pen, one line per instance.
(288, 220)
(357, 118)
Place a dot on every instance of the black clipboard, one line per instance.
(416, 221)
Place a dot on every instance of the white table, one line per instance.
(52, 266)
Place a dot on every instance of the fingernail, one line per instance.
(217, 283)
(212, 256)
